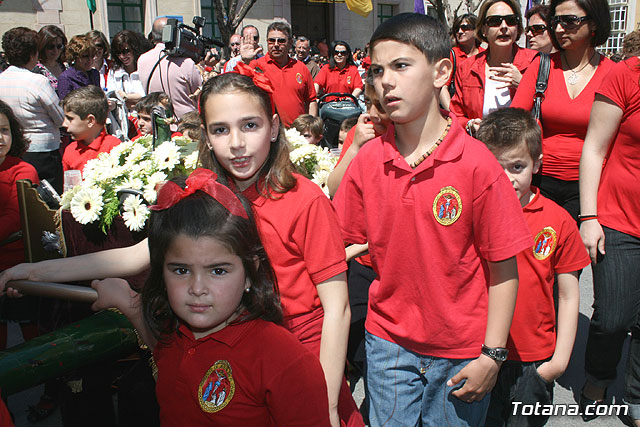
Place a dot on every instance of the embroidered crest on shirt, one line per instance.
(217, 387)
(348, 80)
(447, 206)
(299, 78)
(545, 243)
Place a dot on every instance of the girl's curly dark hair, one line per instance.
(19, 143)
(200, 215)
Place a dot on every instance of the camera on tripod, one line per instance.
(184, 41)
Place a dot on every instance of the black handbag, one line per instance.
(541, 84)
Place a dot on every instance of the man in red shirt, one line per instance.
(85, 113)
(294, 93)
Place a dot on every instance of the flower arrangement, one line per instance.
(312, 161)
(128, 166)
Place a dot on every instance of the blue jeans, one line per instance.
(407, 388)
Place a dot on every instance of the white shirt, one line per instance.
(494, 98)
(119, 79)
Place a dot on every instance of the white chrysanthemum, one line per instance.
(135, 213)
(156, 178)
(120, 149)
(130, 182)
(325, 163)
(303, 152)
(167, 155)
(191, 161)
(67, 196)
(295, 138)
(136, 154)
(86, 204)
(149, 193)
(320, 177)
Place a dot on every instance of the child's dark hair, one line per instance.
(200, 215)
(307, 121)
(347, 124)
(507, 128)
(278, 169)
(420, 31)
(146, 104)
(190, 125)
(19, 143)
(87, 100)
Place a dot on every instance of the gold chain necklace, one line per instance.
(573, 78)
(434, 146)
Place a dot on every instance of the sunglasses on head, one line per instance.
(536, 29)
(466, 27)
(496, 20)
(340, 52)
(569, 21)
(55, 46)
(274, 40)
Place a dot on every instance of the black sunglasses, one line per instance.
(569, 22)
(274, 40)
(536, 29)
(496, 20)
(340, 53)
(466, 27)
(235, 44)
(55, 46)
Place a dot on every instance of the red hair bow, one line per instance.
(204, 180)
(259, 79)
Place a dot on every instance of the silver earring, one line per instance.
(247, 290)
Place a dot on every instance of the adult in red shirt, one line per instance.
(466, 43)
(293, 93)
(341, 75)
(577, 71)
(610, 209)
(488, 80)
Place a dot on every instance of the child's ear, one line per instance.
(275, 127)
(442, 72)
(206, 137)
(537, 164)
(91, 120)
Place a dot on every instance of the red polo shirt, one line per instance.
(77, 154)
(430, 231)
(470, 78)
(557, 248)
(300, 233)
(254, 373)
(293, 87)
(335, 80)
(618, 203)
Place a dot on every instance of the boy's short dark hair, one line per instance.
(190, 125)
(146, 104)
(307, 121)
(507, 128)
(347, 124)
(420, 31)
(87, 100)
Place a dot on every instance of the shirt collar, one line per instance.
(252, 193)
(288, 64)
(229, 335)
(536, 203)
(447, 151)
(97, 143)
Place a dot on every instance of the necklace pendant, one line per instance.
(573, 78)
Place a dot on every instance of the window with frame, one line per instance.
(125, 15)
(385, 11)
(208, 10)
(618, 13)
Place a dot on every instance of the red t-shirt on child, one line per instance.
(253, 374)
(77, 154)
(334, 80)
(557, 248)
(430, 232)
(618, 202)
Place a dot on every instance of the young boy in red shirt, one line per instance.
(539, 349)
(85, 113)
(443, 227)
(145, 107)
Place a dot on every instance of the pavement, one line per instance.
(566, 391)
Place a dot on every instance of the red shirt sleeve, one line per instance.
(321, 78)
(527, 87)
(349, 205)
(357, 80)
(570, 254)
(456, 103)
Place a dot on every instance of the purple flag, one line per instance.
(418, 6)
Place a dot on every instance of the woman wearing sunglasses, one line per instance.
(576, 28)
(536, 30)
(126, 47)
(80, 52)
(51, 44)
(341, 75)
(610, 210)
(465, 42)
(488, 80)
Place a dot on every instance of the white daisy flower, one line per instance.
(167, 155)
(149, 193)
(135, 213)
(86, 204)
(129, 182)
(295, 138)
(137, 153)
(191, 161)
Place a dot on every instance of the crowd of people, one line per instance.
(444, 267)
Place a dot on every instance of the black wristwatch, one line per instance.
(498, 354)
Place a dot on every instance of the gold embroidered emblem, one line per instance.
(447, 206)
(217, 387)
(545, 243)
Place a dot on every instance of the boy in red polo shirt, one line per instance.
(85, 113)
(537, 354)
(443, 226)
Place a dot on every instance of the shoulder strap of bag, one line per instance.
(541, 84)
(452, 86)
